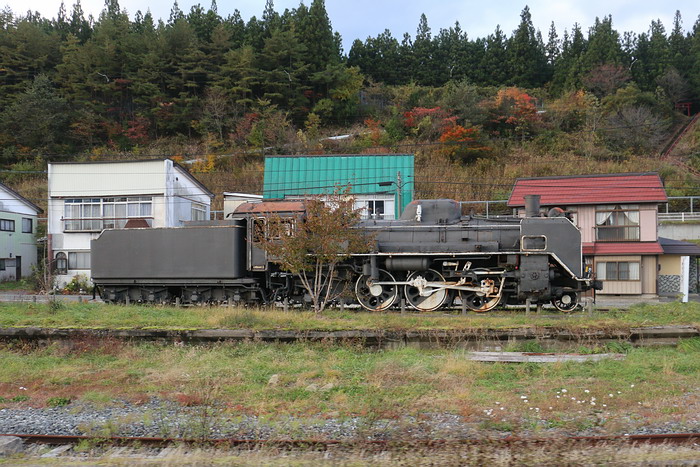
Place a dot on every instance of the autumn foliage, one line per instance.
(463, 144)
(513, 112)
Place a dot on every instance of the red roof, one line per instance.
(629, 188)
(271, 207)
(623, 248)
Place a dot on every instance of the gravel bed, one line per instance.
(159, 418)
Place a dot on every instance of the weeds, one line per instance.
(111, 316)
(58, 401)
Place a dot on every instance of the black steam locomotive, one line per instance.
(431, 257)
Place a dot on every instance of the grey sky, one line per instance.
(359, 19)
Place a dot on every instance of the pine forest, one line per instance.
(219, 93)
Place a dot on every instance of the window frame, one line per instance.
(111, 212)
(75, 267)
(30, 221)
(61, 263)
(198, 211)
(603, 266)
(7, 225)
(617, 226)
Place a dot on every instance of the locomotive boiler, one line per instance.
(431, 257)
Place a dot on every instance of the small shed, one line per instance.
(672, 266)
(383, 184)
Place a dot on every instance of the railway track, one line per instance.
(322, 444)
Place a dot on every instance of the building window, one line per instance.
(96, 214)
(61, 264)
(7, 225)
(618, 271)
(199, 212)
(617, 223)
(79, 260)
(375, 209)
(27, 225)
(2, 264)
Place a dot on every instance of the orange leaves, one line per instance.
(514, 111)
(462, 143)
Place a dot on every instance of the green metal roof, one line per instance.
(287, 176)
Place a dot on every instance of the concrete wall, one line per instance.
(134, 178)
(686, 231)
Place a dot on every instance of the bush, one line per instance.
(79, 284)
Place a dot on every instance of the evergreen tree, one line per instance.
(316, 35)
(78, 25)
(423, 54)
(283, 71)
(494, 64)
(678, 44)
(526, 55)
(38, 118)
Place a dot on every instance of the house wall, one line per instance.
(17, 244)
(106, 179)
(670, 264)
(585, 220)
(181, 192)
(647, 223)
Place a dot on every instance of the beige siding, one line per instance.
(670, 265)
(647, 223)
(117, 179)
(648, 274)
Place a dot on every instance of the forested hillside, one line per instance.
(219, 93)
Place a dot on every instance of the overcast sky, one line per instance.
(358, 19)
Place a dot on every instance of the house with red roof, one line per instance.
(617, 216)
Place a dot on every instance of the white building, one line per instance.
(233, 200)
(18, 219)
(85, 198)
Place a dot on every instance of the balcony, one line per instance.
(98, 225)
(617, 233)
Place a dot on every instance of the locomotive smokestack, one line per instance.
(532, 205)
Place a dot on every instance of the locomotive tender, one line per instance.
(432, 257)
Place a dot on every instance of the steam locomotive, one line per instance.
(431, 257)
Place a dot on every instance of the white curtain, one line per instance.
(601, 217)
(634, 271)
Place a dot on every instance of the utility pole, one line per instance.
(399, 186)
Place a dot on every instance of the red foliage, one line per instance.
(137, 130)
(462, 143)
(414, 116)
(244, 126)
(375, 129)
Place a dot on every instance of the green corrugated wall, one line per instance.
(313, 175)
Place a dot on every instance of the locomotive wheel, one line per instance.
(479, 303)
(375, 297)
(566, 303)
(428, 303)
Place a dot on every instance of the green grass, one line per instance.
(16, 285)
(649, 386)
(86, 315)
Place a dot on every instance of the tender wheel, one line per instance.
(566, 303)
(375, 297)
(479, 303)
(433, 298)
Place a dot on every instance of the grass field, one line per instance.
(88, 315)
(651, 386)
